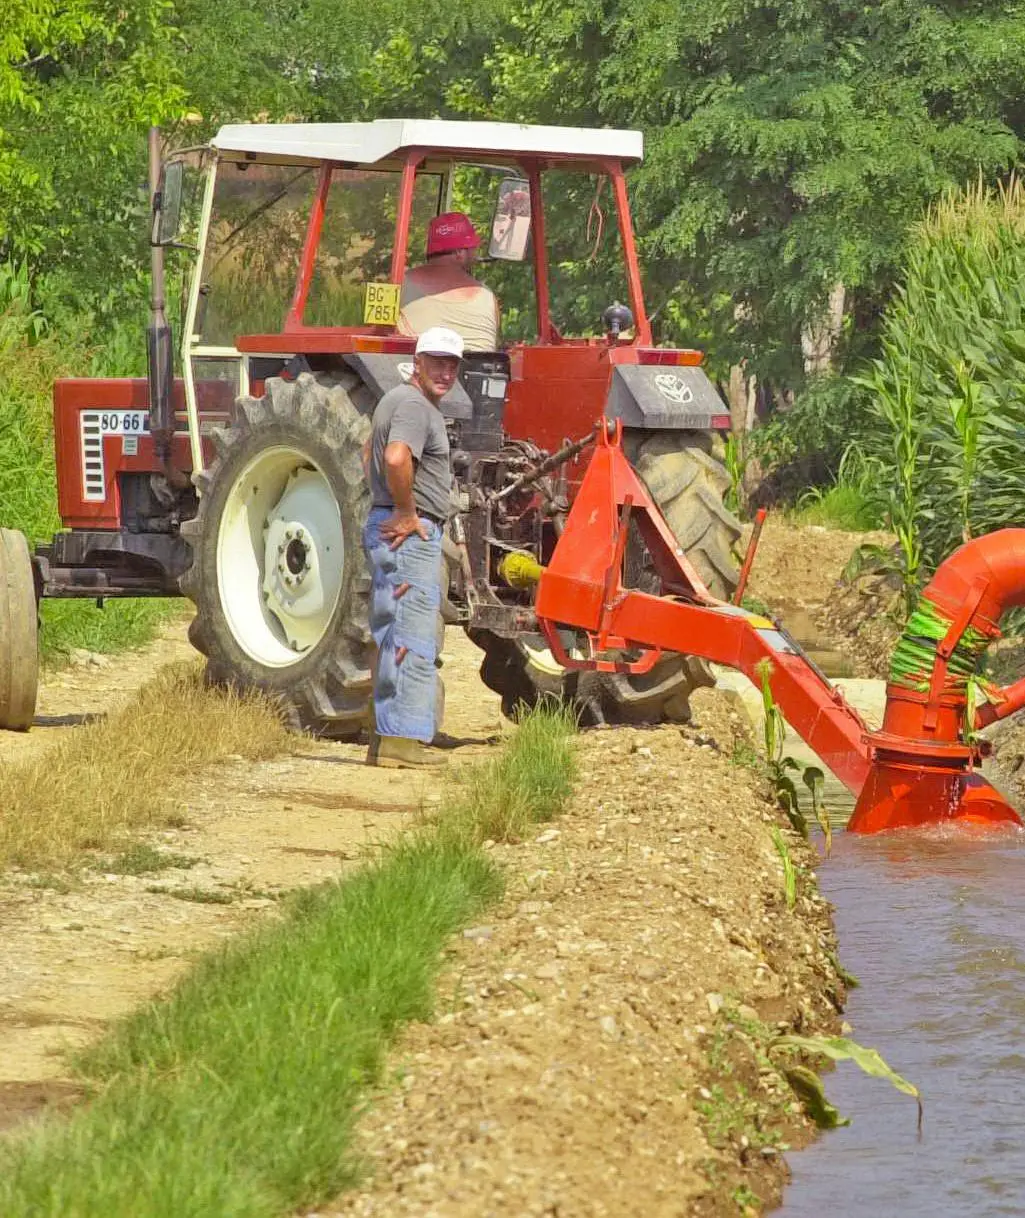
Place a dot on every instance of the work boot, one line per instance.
(398, 753)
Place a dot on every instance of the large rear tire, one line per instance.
(687, 484)
(278, 576)
(19, 634)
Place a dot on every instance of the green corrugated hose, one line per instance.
(915, 654)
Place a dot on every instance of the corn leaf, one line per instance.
(841, 1049)
(807, 1086)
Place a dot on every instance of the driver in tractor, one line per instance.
(442, 292)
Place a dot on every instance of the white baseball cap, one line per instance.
(440, 340)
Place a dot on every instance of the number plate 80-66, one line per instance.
(123, 422)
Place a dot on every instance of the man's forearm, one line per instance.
(399, 476)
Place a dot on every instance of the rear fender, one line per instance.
(651, 397)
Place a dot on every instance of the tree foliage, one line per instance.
(790, 147)
(79, 82)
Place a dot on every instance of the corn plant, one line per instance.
(893, 389)
(789, 870)
(735, 459)
(946, 397)
(807, 1085)
(780, 767)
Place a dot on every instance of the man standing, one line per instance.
(442, 292)
(411, 486)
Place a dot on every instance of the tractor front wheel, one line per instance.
(687, 484)
(19, 650)
(278, 576)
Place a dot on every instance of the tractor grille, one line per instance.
(94, 488)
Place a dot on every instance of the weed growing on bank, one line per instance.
(140, 858)
(237, 1095)
(125, 771)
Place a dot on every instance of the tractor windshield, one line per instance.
(257, 229)
(586, 266)
(258, 226)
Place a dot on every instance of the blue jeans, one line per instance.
(405, 599)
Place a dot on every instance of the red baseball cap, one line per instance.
(451, 231)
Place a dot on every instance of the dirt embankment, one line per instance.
(595, 1051)
(596, 1047)
(799, 573)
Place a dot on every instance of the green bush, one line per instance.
(945, 437)
(817, 426)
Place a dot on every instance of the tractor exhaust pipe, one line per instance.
(158, 335)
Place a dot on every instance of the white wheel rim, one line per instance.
(280, 557)
(542, 659)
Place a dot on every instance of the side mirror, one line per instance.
(167, 204)
(510, 226)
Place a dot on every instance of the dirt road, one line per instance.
(76, 952)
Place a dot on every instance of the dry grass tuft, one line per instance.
(129, 770)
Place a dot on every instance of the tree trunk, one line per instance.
(818, 338)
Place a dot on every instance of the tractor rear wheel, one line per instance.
(687, 484)
(278, 576)
(19, 634)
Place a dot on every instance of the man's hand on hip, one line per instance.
(401, 525)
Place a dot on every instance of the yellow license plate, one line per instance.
(381, 304)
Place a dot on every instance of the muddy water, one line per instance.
(933, 925)
(800, 623)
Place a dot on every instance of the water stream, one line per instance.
(933, 925)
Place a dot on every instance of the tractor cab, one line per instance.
(306, 231)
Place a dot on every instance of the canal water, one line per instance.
(933, 926)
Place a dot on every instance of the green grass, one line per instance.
(526, 784)
(237, 1095)
(841, 506)
(118, 626)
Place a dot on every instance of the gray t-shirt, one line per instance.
(405, 415)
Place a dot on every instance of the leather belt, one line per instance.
(440, 521)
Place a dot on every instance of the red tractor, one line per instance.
(240, 484)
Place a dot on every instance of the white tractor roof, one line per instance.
(386, 138)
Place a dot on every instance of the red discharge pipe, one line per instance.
(922, 763)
